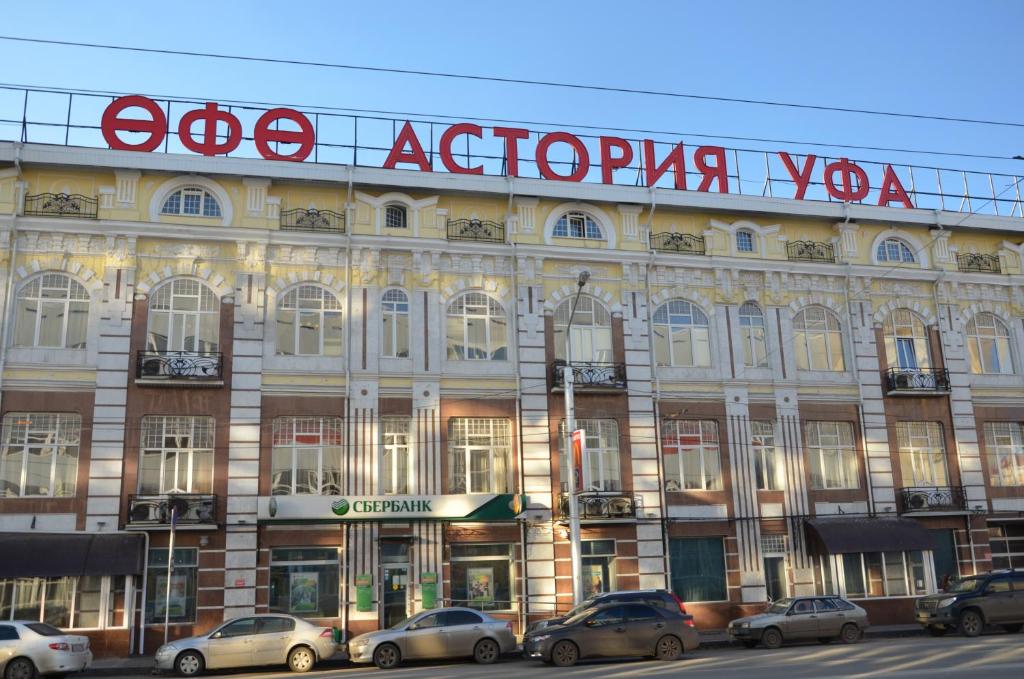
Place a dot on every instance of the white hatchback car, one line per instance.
(29, 649)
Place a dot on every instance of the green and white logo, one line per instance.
(340, 507)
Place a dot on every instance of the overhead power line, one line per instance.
(516, 81)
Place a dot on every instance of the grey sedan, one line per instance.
(437, 633)
(31, 648)
(817, 617)
(249, 642)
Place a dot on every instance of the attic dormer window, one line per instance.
(191, 201)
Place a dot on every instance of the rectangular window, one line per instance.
(692, 455)
(40, 455)
(601, 457)
(882, 574)
(180, 606)
(482, 576)
(832, 455)
(479, 450)
(1007, 541)
(1004, 450)
(922, 454)
(698, 569)
(395, 464)
(88, 602)
(306, 456)
(177, 455)
(598, 557)
(304, 581)
(767, 465)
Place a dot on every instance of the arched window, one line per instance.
(818, 337)
(395, 217)
(53, 311)
(894, 250)
(184, 315)
(681, 335)
(906, 341)
(577, 225)
(309, 322)
(191, 201)
(744, 241)
(755, 346)
(477, 329)
(591, 334)
(395, 324)
(988, 341)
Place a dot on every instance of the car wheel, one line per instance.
(749, 643)
(189, 664)
(1013, 628)
(386, 656)
(850, 634)
(971, 623)
(938, 630)
(301, 659)
(564, 654)
(668, 648)
(824, 640)
(771, 638)
(20, 668)
(486, 651)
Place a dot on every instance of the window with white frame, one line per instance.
(395, 217)
(878, 574)
(832, 455)
(988, 343)
(906, 341)
(479, 452)
(309, 322)
(181, 607)
(306, 455)
(184, 315)
(305, 581)
(744, 241)
(87, 602)
(477, 329)
(693, 459)
(818, 338)
(395, 324)
(773, 550)
(482, 576)
(52, 311)
(577, 225)
(601, 468)
(191, 201)
(1004, 448)
(922, 454)
(177, 455)
(40, 454)
(894, 250)
(752, 336)
(767, 458)
(681, 335)
(591, 332)
(395, 456)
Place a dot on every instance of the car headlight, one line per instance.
(744, 624)
(164, 650)
(360, 643)
(947, 602)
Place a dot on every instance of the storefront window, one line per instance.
(482, 576)
(600, 458)
(597, 557)
(306, 458)
(90, 602)
(832, 456)
(181, 605)
(880, 574)
(304, 581)
(698, 568)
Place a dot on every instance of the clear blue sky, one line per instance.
(928, 56)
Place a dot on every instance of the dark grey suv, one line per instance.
(995, 598)
(659, 598)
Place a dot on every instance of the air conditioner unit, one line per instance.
(903, 381)
(917, 501)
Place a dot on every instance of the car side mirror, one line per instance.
(217, 635)
(591, 623)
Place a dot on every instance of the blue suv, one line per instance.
(995, 598)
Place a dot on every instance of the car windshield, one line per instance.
(589, 603)
(572, 620)
(780, 606)
(965, 585)
(401, 623)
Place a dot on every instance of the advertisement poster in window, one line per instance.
(593, 579)
(303, 592)
(177, 603)
(481, 585)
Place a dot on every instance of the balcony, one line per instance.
(311, 219)
(154, 511)
(590, 376)
(180, 366)
(61, 205)
(810, 251)
(971, 262)
(476, 229)
(917, 381)
(932, 499)
(678, 242)
(608, 506)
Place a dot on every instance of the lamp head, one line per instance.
(584, 277)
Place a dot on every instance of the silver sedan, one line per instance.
(249, 642)
(31, 648)
(437, 633)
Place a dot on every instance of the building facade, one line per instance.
(346, 383)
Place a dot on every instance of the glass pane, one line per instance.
(402, 336)
(38, 469)
(499, 341)
(51, 324)
(66, 470)
(873, 568)
(202, 472)
(149, 473)
(854, 576)
(59, 594)
(309, 334)
(286, 332)
(307, 471)
(895, 574)
(88, 602)
(331, 484)
(698, 569)
(682, 349)
(479, 471)
(456, 338)
(25, 323)
(476, 338)
(388, 335)
(27, 599)
(305, 590)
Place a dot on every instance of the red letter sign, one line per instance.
(446, 147)
(511, 135)
(156, 126)
(675, 159)
(581, 151)
(850, 172)
(210, 145)
(263, 135)
(415, 154)
(610, 163)
(892, 189)
(802, 178)
(719, 170)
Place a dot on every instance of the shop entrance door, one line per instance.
(394, 561)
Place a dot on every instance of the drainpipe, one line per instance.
(142, 607)
(348, 387)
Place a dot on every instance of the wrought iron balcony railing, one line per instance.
(311, 219)
(180, 365)
(61, 205)
(810, 251)
(155, 510)
(972, 262)
(920, 381)
(602, 505)
(590, 376)
(933, 499)
(476, 229)
(678, 242)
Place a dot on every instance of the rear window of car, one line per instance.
(271, 625)
(7, 633)
(45, 630)
(462, 618)
(843, 604)
(641, 612)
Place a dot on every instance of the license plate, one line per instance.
(77, 648)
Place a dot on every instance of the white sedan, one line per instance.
(29, 649)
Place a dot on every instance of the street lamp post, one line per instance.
(570, 426)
